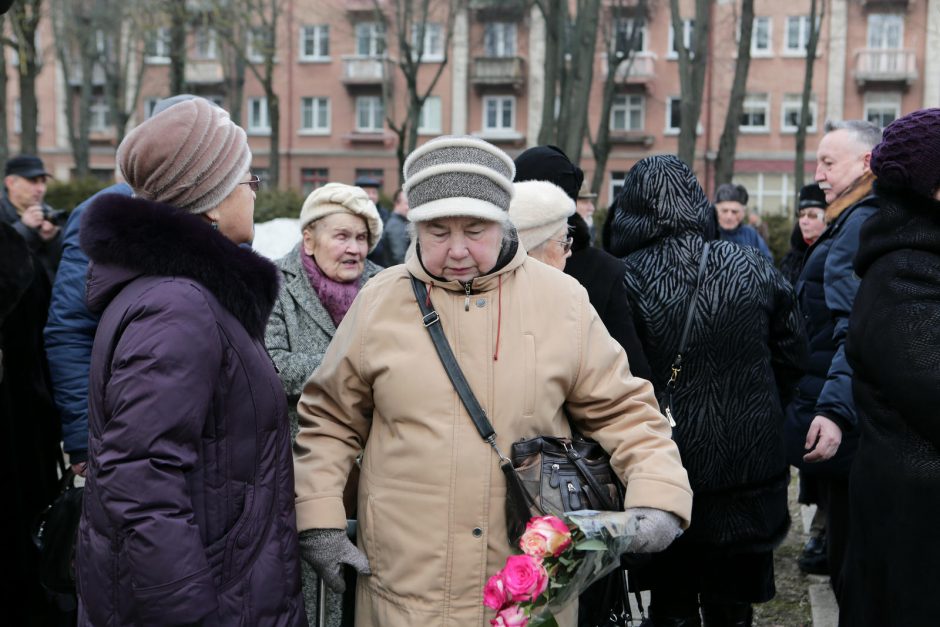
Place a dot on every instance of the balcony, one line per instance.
(206, 72)
(634, 138)
(880, 4)
(640, 70)
(364, 6)
(490, 9)
(498, 71)
(873, 65)
(365, 71)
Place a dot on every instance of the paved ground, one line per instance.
(823, 602)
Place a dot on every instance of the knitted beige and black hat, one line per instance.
(453, 176)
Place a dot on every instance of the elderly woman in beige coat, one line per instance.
(321, 277)
(431, 495)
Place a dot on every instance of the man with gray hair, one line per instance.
(821, 420)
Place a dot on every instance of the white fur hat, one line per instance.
(539, 209)
(339, 198)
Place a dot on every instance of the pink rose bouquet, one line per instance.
(559, 560)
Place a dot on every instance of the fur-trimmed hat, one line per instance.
(339, 198)
(453, 176)
(538, 210)
(190, 156)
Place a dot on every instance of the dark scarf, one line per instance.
(335, 297)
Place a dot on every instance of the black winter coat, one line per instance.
(792, 263)
(892, 569)
(744, 354)
(826, 290)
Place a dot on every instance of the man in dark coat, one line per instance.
(821, 421)
(892, 567)
(745, 352)
(600, 273)
(22, 206)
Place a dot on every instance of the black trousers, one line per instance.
(833, 494)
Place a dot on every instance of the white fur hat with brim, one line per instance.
(339, 198)
(538, 210)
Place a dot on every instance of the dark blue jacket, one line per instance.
(69, 334)
(746, 235)
(826, 290)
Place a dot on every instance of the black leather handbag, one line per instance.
(55, 536)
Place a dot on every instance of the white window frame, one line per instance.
(883, 21)
(313, 106)
(317, 34)
(688, 30)
(500, 39)
(758, 102)
(881, 101)
(800, 50)
(625, 25)
(99, 115)
(376, 111)
(500, 103)
(252, 52)
(161, 42)
(259, 122)
(627, 105)
(769, 27)
(617, 180)
(205, 44)
(668, 128)
(374, 33)
(795, 101)
(432, 107)
(433, 41)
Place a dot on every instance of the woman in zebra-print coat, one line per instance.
(744, 355)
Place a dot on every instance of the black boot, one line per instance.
(727, 614)
(814, 559)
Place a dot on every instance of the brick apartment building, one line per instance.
(876, 59)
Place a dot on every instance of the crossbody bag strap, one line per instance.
(432, 322)
(676, 367)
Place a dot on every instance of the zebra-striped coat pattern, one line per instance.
(745, 352)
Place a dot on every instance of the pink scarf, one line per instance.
(335, 297)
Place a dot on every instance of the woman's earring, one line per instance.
(215, 225)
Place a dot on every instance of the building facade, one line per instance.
(336, 81)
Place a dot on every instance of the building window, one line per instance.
(790, 113)
(761, 45)
(259, 44)
(99, 115)
(797, 34)
(433, 49)
(623, 30)
(149, 105)
(885, 31)
(499, 39)
(499, 114)
(755, 117)
(370, 114)
(371, 173)
(429, 120)
(673, 115)
(157, 48)
(258, 121)
(313, 178)
(882, 108)
(205, 44)
(617, 180)
(770, 193)
(315, 115)
(370, 39)
(627, 113)
(315, 42)
(688, 38)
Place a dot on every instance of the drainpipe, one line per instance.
(290, 66)
(709, 75)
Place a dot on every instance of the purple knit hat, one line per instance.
(909, 153)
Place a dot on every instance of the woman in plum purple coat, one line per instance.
(188, 514)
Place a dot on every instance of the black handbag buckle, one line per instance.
(430, 318)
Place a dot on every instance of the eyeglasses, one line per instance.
(254, 183)
(565, 243)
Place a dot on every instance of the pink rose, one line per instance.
(512, 616)
(524, 577)
(545, 536)
(495, 595)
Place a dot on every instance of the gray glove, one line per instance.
(655, 529)
(326, 550)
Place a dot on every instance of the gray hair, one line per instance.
(862, 131)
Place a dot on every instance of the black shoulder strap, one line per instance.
(432, 322)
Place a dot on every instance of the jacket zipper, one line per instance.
(467, 287)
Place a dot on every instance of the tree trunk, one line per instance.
(573, 128)
(692, 65)
(25, 17)
(274, 117)
(727, 145)
(177, 47)
(554, 60)
(4, 129)
(237, 89)
(799, 165)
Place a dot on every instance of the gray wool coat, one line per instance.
(298, 333)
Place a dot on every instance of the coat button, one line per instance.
(477, 532)
(481, 302)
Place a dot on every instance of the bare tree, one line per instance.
(410, 22)
(692, 65)
(621, 53)
(256, 45)
(4, 131)
(178, 14)
(727, 145)
(75, 32)
(817, 11)
(123, 57)
(25, 16)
